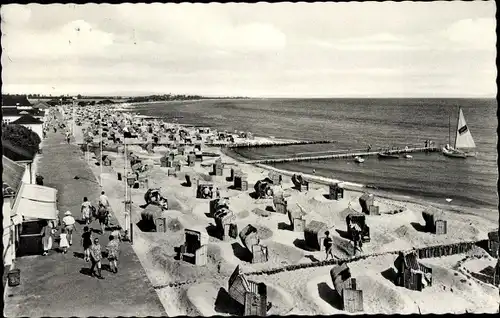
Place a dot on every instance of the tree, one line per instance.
(19, 142)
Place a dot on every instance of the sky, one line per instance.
(358, 49)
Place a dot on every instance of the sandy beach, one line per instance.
(186, 289)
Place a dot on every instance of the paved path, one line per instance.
(59, 284)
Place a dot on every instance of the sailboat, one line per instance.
(464, 143)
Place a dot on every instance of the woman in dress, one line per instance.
(95, 258)
(113, 251)
(86, 209)
(47, 236)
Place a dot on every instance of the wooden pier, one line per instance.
(342, 155)
(271, 143)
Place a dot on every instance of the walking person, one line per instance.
(68, 222)
(86, 210)
(95, 258)
(103, 199)
(328, 243)
(47, 236)
(86, 243)
(103, 216)
(63, 243)
(113, 249)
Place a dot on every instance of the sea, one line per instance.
(355, 124)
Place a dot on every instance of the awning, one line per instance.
(35, 202)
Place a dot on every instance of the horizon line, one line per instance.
(251, 97)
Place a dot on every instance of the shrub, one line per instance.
(19, 142)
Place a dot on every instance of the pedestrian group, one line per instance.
(91, 245)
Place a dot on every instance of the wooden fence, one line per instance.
(425, 252)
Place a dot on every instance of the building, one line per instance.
(41, 106)
(25, 206)
(30, 122)
(12, 175)
(12, 106)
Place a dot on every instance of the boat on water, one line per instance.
(386, 155)
(464, 145)
(359, 159)
(407, 156)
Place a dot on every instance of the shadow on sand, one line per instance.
(343, 234)
(241, 252)
(213, 231)
(300, 243)
(225, 304)
(254, 195)
(270, 208)
(419, 227)
(330, 296)
(284, 226)
(390, 274)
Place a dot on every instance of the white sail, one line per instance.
(464, 138)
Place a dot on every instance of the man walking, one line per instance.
(69, 224)
(103, 199)
(328, 243)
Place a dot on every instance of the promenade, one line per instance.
(60, 284)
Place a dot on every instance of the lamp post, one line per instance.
(130, 183)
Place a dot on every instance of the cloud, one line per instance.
(473, 33)
(75, 39)
(262, 49)
(15, 14)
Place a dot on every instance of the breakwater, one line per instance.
(341, 155)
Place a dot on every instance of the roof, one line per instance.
(15, 100)
(12, 111)
(36, 202)
(27, 120)
(316, 226)
(41, 105)
(12, 174)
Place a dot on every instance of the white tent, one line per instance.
(35, 202)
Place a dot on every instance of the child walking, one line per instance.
(63, 243)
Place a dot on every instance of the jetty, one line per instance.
(342, 155)
(271, 143)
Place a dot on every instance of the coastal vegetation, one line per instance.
(19, 142)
